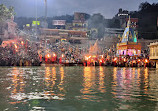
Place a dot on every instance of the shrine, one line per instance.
(129, 44)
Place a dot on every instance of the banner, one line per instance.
(59, 22)
(35, 23)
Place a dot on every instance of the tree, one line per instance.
(6, 13)
(144, 6)
(147, 16)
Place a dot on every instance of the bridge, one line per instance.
(154, 52)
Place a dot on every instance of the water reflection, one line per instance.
(17, 86)
(129, 81)
(55, 86)
(110, 88)
(101, 80)
(88, 80)
(88, 83)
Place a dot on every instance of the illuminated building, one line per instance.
(154, 52)
(59, 24)
(80, 25)
(55, 35)
(129, 44)
(79, 22)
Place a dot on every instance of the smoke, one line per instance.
(97, 25)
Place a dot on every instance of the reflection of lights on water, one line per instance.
(53, 76)
(88, 81)
(50, 80)
(138, 72)
(146, 81)
(89, 84)
(47, 76)
(17, 86)
(115, 74)
(133, 73)
(62, 74)
(18, 82)
(124, 74)
(60, 86)
(101, 80)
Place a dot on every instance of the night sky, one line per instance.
(108, 8)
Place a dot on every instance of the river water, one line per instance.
(78, 89)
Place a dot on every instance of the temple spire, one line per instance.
(129, 22)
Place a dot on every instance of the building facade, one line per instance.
(55, 35)
(154, 52)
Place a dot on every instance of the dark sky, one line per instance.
(108, 8)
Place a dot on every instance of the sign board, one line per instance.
(59, 22)
(27, 25)
(35, 22)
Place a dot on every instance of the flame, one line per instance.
(146, 60)
(48, 55)
(100, 61)
(124, 59)
(15, 46)
(115, 59)
(54, 55)
(22, 43)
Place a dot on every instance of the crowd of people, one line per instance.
(26, 53)
(19, 54)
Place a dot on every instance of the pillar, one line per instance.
(157, 64)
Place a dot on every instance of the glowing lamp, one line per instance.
(22, 43)
(124, 59)
(146, 60)
(16, 46)
(62, 55)
(54, 55)
(100, 61)
(115, 59)
(48, 55)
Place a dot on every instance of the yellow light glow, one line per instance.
(54, 55)
(22, 43)
(15, 46)
(48, 55)
(115, 59)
